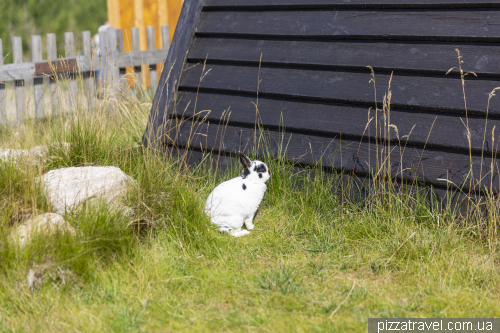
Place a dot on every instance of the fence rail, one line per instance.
(111, 60)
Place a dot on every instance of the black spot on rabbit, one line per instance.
(261, 169)
(244, 187)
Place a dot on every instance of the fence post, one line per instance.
(103, 53)
(69, 42)
(115, 74)
(153, 74)
(55, 95)
(36, 54)
(87, 76)
(121, 50)
(3, 99)
(107, 45)
(136, 47)
(165, 42)
(165, 36)
(17, 53)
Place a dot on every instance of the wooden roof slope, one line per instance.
(315, 96)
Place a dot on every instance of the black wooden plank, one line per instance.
(331, 4)
(401, 57)
(436, 167)
(441, 94)
(217, 161)
(353, 187)
(448, 25)
(347, 186)
(165, 94)
(427, 129)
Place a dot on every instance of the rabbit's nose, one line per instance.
(269, 172)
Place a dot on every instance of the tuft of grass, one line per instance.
(282, 278)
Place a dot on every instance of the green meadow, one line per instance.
(317, 260)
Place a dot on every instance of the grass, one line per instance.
(316, 261)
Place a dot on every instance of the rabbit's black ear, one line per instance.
(245, 160)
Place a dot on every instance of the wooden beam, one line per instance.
(174, 12)
(55, 95)
(69, 42)
(162, 21)
(162, 12)
(164, 100)
(153, 74)
(136, 47)
(337, 4)
(87, 75)
(114, 13)
(17, 53)
(121, 50)
(140, 24)
(3, 98)
(165, 39)
(36, 48)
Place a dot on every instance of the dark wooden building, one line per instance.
(304, 64)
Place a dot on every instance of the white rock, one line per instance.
(35, 153)
(47, 224)
(67, 188)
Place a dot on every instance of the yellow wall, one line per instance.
(126, 14)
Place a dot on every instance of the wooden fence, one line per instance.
(112, 61)
(298, 69)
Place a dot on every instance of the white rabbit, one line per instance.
(235, 202)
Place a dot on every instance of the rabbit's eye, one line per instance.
(260, 168)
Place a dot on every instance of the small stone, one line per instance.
(32, 154)
(47, 224)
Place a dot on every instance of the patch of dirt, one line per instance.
(19, 215)
(38, 274)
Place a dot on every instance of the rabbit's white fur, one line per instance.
(235, 202)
